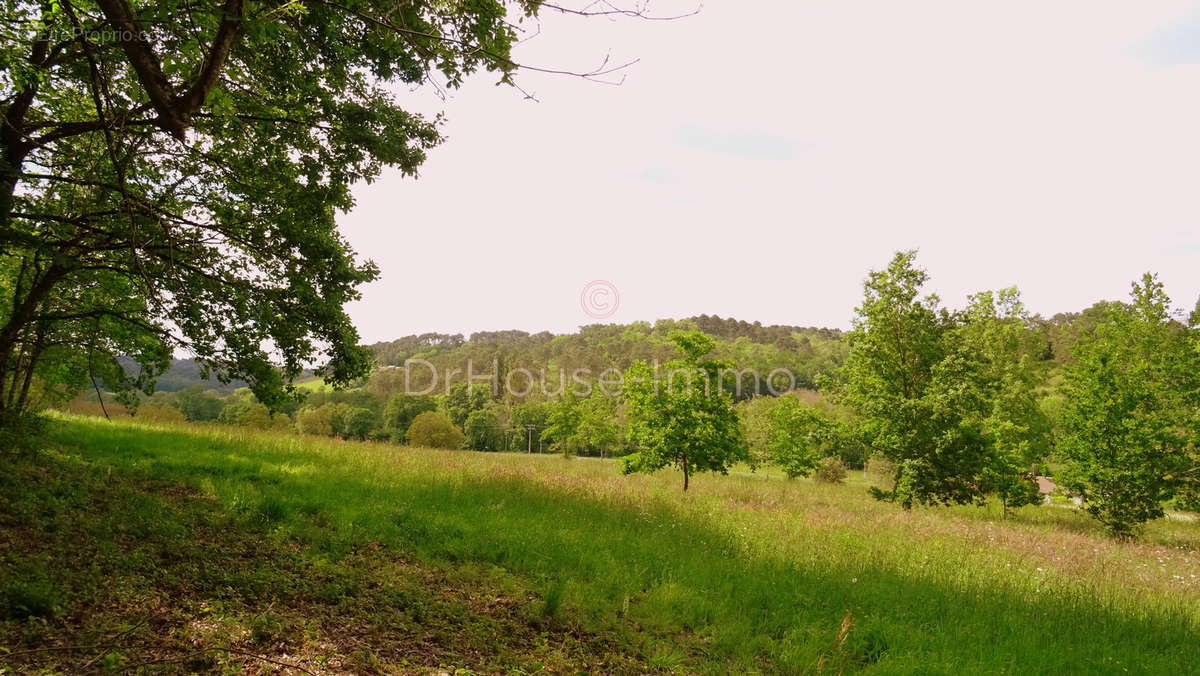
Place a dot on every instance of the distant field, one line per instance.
(311, 384)
(367, 557)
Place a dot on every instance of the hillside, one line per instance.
(166, 549)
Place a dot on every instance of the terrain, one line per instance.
(133, 547)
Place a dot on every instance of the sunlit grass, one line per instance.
(743, 572)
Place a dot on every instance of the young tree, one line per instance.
(577, 425)
(688, 420)
(801, 437)
(1129, 420)
(317, 421)
(198, 404)
(527, 421)
(754, 414)
(462, 400)
(357, 423)
(328, 419)
(997, 393)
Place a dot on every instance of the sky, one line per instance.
(762, 156)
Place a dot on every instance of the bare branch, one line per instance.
(640, 11)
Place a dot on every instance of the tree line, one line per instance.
(959, 406)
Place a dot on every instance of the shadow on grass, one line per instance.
(683, 583)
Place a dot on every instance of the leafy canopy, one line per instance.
(687, 420)
(1129, 423)
(170, 176)
(945, 396)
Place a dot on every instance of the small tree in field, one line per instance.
(1129, 419)
(480, 429)
(687, 421)
(755, 416)
(800, 437)
(994, 340)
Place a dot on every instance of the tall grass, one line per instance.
(747, 572)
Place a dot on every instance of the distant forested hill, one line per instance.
(805, 352)
(184, 373)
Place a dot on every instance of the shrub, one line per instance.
(830, 470)
(280, 422)
(328, 419)
(255, 416)
(29, 594)
(434, 430)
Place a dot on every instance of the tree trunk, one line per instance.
(23, 315)
(686, 469)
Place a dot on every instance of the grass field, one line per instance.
(310, 384)
(134, 547)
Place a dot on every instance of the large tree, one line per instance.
(898, 343)
(1130, 422)
(945, 396)
(170, 174)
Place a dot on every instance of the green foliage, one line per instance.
(400, 411)
(29, 592)
(1130, 413)
(434, 430)
(948, 398)
(686, 421)
(482, 430)
(198, 404)
(327, 420)
(808, 353)
(357, 423)
(897, 347)
(527, 421)
(462, 400)
(115, 243)
(996, 342)
(800, 437)
(754, 417)
(583, 425)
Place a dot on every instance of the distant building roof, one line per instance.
(1046, 486)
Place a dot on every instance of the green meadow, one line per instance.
(140, 548)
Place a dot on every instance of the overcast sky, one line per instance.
(762, 156)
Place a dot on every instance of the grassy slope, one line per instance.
(310, 384)
(588, 570)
